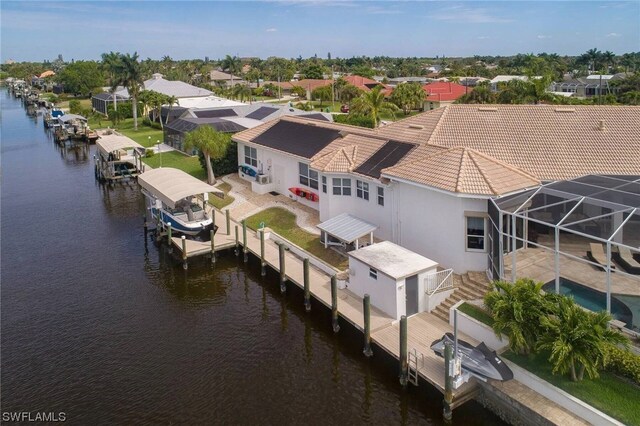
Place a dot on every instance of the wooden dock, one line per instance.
(423, 328)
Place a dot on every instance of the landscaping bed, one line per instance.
(283, 222)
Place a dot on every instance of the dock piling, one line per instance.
(169, 241)
(404, 364)
(447, 414)
(366, 305)
(237, 252)
(184, 252)
(245, 249)
(228, 222)
(334, 304)
(283, 277)
(307, 293)
(146, 225)
(212, 233)
(263, 270)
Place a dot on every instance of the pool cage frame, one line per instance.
(612, 204)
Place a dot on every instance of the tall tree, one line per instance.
(171, 101)
(408, 96)
(372, 104)
(81, 77)
(110, 62)
(211, 143)
(322, 94)
(232, 65)
(129, 75)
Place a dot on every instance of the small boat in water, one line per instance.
(171, 198)
(478, 360)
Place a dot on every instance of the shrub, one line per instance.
(623, 363)
(355, 120)
(149, 153)
(74, 106)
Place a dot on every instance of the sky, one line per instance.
(35, 31)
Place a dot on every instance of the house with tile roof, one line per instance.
(426, 181)
(443, 93)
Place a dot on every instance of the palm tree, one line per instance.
(129, 74)
(241, 91)
(516, 310)
(372, 104)
(171, 101)
(110, 61)
(593, 56)
(609, 59)
(577, 339)
(211, 143)
(231, 64)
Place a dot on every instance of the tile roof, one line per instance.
(444, 91)
(362, 83)
(464, 170)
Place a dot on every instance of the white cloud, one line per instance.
(542, 36)
(271, 30)
(614, 35)
(379, 10)
(471, 15)
(483, 37)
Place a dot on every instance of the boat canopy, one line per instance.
(69, 117)
(114, 142)
(172, 185)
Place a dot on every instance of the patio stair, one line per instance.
(469, 286)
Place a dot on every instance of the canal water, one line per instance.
(100, 323)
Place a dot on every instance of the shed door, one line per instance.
(411, 293)
(278, 178)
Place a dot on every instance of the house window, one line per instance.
(308, 177)
(475, 233)
(362, 190)
(250, 156)
(380, 196)
(324, 184)
(373, 273)
(341, 186)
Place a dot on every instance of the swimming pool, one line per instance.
(594, 300)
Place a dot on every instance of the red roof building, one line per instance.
(444, 92)
(362, 83)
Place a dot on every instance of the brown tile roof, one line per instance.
(413, 129)
(464, 170)
(549, 141)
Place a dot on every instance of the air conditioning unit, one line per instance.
(263, 179)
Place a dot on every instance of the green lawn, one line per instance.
(178, 160)
(218, 202)
(477, 313)
(145, 135)
(332, 108)
(399, 115)
(618, 398)
(283, 222)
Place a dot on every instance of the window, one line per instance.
(308, 177)
(475, 233)
(373, 273)
(362, 190)
(324, 184)
(250, 156)
(380, 196)
(341, 186)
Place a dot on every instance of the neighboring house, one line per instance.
(224, 78)
(400, 80)
(443, 93)
(472, 81)
(229, 119)
(362, 83)
(502, 79)
(426, 181)
(185, 93)
(585, 87)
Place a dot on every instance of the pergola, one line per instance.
(346, 229)
(566, 220)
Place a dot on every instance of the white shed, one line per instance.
(392, 276)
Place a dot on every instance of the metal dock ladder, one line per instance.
(412, 361)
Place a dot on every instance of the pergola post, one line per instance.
(557, 258)
(609, 276)
(513, 248)
(371, 238)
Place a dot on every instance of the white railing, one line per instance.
(440, 280)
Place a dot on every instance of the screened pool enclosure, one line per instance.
(580, 237)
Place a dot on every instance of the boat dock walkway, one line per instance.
(423, 328)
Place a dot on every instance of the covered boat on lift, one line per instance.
(171, 196)
(117, 158)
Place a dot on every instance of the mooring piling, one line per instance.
(447, 413)
(236, 251)
(245, 249)
(307, 292)
(212, 234)
(404, 364)
(334, 304)
(366, 308)
(263, 270)
(228, 221)
(184, 252)
(169, 241)
(283, 277)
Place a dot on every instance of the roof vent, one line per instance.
(487, 109)
(601, 125)
(343, 133)
(565, 110)
(416, 126)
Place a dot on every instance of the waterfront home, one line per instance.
(425, 181)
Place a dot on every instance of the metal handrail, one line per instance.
(444, 280)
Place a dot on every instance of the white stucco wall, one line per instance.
(383, 291)
(283, 171)
(432, 223)
(369, 210)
